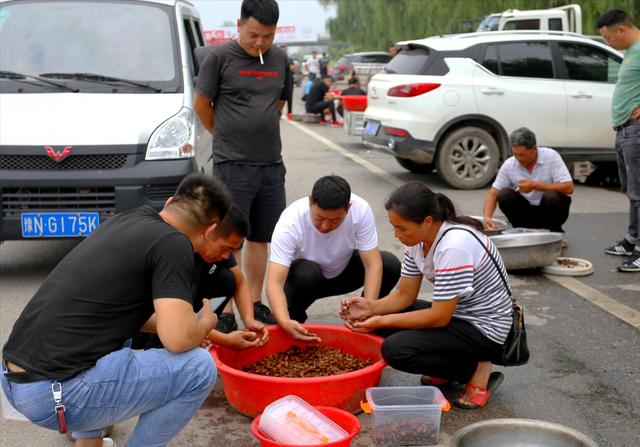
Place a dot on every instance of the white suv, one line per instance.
(450, 102)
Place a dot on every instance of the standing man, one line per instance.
(313, 66)
(239, 99)
(325, 245)
(619, 31)
(532, 188)
(133, 273)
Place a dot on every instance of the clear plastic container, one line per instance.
(290, 420)
(405, 415)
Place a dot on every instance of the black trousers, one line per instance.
(320, 106)
(220, 283)
(305, 282)
(552, 212)
(451, 352)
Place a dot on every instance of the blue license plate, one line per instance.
(371, 127)
(59, 224)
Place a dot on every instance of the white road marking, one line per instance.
(353, 157)
(594, 296)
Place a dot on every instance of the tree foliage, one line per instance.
(375, 24)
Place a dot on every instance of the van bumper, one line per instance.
(106, 191)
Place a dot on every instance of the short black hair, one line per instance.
(353, 80)
(328, 76)
(204, 198)
(523, 137)
(614, 17)
(264, 11)
(331, 192)
(234, 222)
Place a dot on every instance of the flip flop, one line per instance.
(478, 397)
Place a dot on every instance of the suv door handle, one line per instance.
(492, 91)
(581, 95)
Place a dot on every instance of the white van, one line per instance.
(96, 111)
(561, 18)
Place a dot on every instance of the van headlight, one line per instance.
(172, 139)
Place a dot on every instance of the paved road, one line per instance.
(584, 370)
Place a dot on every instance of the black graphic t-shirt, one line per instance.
(245, 96)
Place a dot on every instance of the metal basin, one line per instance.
(519, 433)
(528, 250)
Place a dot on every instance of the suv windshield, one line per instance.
(128, 41)
(411, 60)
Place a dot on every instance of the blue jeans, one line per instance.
(628, 157)
(163, 388)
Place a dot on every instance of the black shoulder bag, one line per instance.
(515, 351)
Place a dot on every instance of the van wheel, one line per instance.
(418, 168)
(468, 158)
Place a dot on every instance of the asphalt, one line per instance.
(585, 363)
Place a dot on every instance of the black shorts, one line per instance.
(258, 190)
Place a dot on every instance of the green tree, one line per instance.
(375, 24)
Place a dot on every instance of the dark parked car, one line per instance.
(343, 68)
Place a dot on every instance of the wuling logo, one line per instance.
(57, 155)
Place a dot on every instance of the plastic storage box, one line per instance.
(292, 421)
(405, 415)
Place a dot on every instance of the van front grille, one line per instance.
(72, 162)
(19, 200)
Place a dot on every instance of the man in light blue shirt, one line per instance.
(532, 188)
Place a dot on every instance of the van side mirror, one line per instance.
(199, 55)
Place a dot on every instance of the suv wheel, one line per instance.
(413, 166)
(468, 158)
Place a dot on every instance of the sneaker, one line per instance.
(226, 323)
(632, 264)
(622, 248)
(290, 116)
(336, 124)
(108, 442)
(263, 313)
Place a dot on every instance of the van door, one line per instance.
(591, 74)
(516, 87)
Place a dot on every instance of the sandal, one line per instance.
(475, 397)
(434, 381)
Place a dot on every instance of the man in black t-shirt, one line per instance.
(352, 90)
(241, 90)
(218, 277)
(320, 99)
(133, 273)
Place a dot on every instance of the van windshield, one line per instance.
(128, 41)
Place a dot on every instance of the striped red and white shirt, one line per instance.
(459, 267)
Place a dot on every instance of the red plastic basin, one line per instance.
(344, 419)
(354, 103)
(249, 394)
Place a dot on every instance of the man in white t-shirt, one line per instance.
(325, 245)
(313, 66)
(532, 188)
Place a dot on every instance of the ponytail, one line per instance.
(414, 201)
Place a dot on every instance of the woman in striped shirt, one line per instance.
(456, 337)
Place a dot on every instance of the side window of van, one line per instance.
(199, 33)
(191, 37)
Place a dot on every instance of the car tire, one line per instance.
(418, 168)
(468, 158)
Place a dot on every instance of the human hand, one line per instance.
(365, 326)
(636, 114)
(259, 329)
(527, 185)
(355, 308)
(488, 224)
(206, 317)
(298, 331)
(242, 340)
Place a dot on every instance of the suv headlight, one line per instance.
(172, 139)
